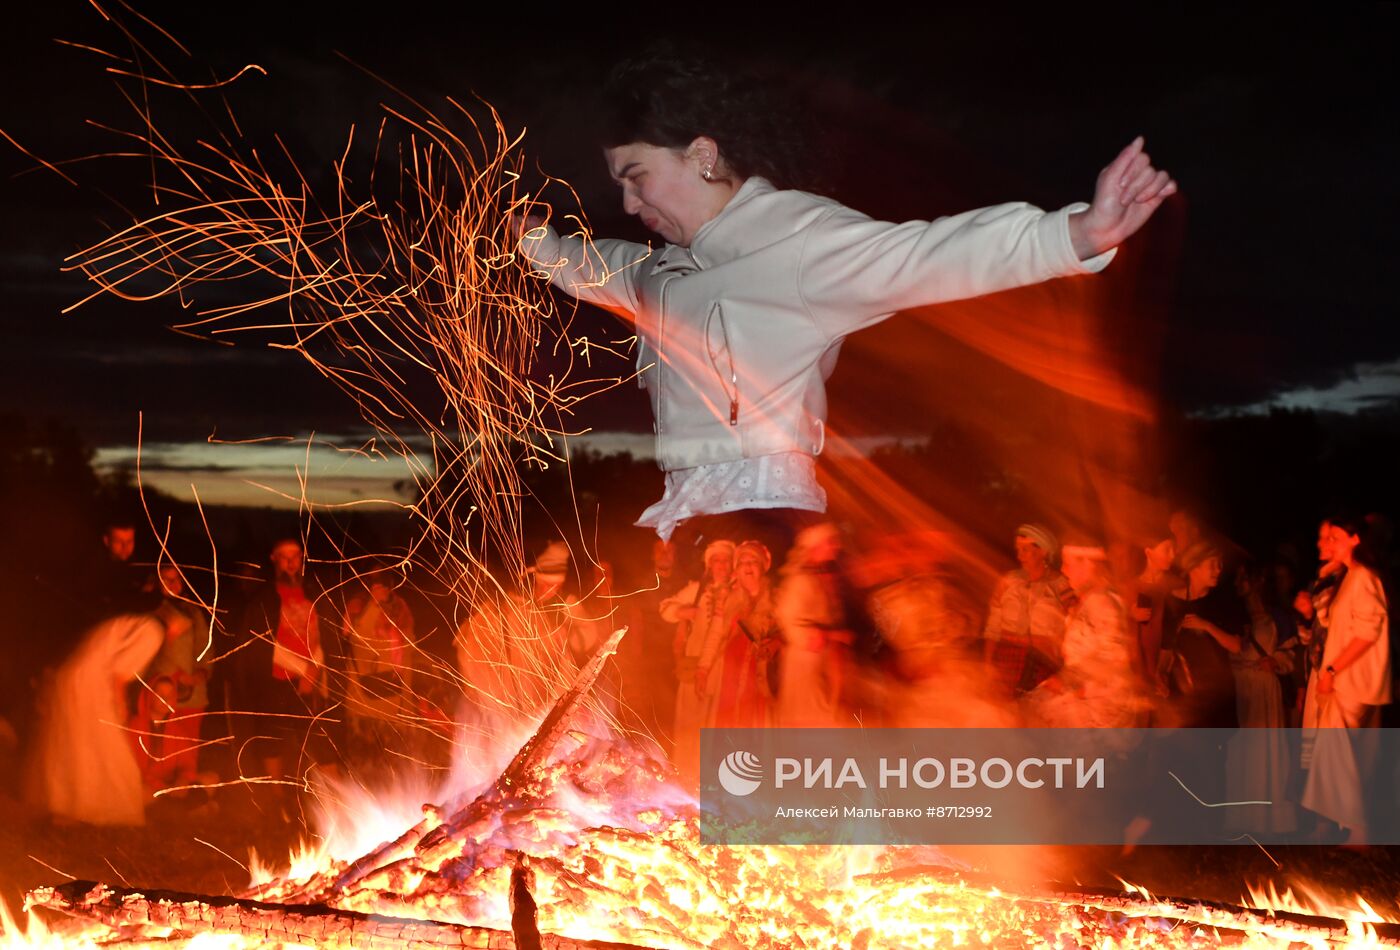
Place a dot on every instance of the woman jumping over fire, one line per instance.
(741, 312)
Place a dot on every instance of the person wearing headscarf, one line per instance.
(700, 611)
(1099, 684)
(1026, 616)
(734, 665)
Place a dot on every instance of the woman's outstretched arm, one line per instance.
(1126, 194)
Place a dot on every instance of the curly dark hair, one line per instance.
(668, 98)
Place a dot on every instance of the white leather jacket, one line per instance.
(739, 332)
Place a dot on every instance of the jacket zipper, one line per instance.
(729, 352)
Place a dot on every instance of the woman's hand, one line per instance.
(1192, 622)
(523, 224)
(1230, 641)
(1326, 683)
(1128, 191)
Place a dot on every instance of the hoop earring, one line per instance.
(708, 174)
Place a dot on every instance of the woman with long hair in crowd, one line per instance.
(1314, 606)
(1268, 653)
(1257, 758)
(1202, 629)
(1148, 611)
(1351, 684)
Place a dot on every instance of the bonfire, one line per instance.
(582, 842)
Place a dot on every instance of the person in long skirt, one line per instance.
(699, 610)
(1257, 759)
(83, 765)
(734, 667)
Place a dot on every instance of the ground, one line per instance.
(179, 848)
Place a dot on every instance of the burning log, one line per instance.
(534, 753)
(152, 915)
(434, 836)
(1217, 915)
(1222, 916)
(312, 924)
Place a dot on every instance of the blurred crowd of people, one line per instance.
(158, 695)
(1176, 629)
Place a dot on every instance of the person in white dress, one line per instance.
(700, 611)
(1346, 693)
(83, 765)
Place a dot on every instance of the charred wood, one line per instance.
(1223, 916)
(308, 924)
(1187, 910)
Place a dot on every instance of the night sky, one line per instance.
(1267, 282)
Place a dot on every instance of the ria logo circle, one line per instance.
(740, 773)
